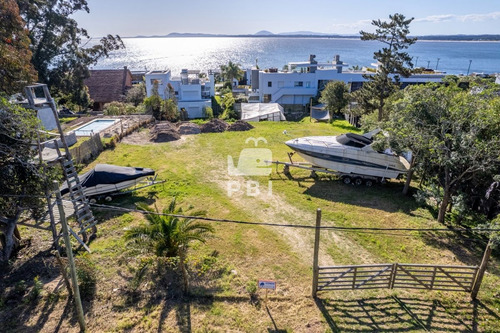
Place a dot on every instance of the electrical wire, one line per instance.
(335, 228)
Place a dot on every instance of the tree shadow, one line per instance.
(386, 197)
(18, 290)
(397, 314)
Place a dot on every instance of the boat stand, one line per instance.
(347, 178)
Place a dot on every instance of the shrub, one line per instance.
(87, 277)
(118, 109)
(208, 112)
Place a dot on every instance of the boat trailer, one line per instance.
(347, 178)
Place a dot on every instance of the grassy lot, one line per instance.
(225, 269)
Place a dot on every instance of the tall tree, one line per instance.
(60, 55)
(456, 131)
(335, 96)
(170, 236)
(231, 71)
(16, 69)
(23, 180)
(392, 59)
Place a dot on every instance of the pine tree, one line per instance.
(393, 63)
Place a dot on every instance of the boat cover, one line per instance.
(109, 174)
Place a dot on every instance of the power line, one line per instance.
(337, 228)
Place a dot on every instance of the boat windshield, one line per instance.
(353, 140)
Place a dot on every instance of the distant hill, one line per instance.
(310, 34)
(304, 33)
(263, 33)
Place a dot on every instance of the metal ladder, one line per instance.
(83, 214)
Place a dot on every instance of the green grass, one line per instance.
(196, 173)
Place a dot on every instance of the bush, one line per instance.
(118, 109)
(87, 277)
(208, 112)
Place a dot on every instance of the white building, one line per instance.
(192, 89)
(303, 80)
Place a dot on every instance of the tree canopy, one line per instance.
(23, 180)
(335, 96)
(16, 69)
(455, 132)
(59, 48)
(393, 62)
(231, 71)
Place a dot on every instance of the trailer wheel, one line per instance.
(358, 181)
(314, 174)
(108, 198)
(92, 200)
(369, 183)
(347, 180)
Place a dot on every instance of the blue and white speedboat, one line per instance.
(350, 154)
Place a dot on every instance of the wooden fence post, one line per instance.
(316, 254)
(69, 253)
(481, 270)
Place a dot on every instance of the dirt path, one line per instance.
(273, 207)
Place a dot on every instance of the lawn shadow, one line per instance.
(128, 201)
(397, 314)
(22, 299)
(386, 197)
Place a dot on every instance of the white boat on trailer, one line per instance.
(350, 156)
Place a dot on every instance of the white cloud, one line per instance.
(353, 27)
(461, 18)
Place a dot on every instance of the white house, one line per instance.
(303, 80)
(192, 89)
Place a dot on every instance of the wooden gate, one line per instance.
(434, 277)
(430, 277)
(412, 276)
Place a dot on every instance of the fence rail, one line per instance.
(430, 277)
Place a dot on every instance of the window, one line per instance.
(298, 84)
(269, 83)
(158, 81)
(308, 84)
(267, 98)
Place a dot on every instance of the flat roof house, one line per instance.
(192, 90)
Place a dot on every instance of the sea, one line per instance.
(209, 53)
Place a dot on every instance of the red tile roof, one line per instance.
(108, 85)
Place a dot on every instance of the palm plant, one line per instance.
(231, 71)
(170, 236)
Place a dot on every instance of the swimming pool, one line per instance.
(93, 127)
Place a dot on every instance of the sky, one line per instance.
(129, 18)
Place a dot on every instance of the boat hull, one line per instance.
(326, 153)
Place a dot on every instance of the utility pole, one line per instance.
(416, 63)
(437, 64)
(316, 254)
(71, 261)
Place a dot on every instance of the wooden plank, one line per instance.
(350, 266)
(444, 266)
(373, 277)
(409, 274)
(334, 279)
